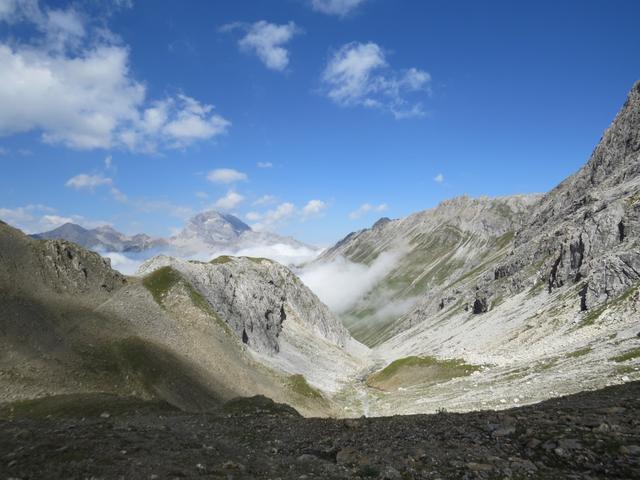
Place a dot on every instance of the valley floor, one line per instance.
(588, 435)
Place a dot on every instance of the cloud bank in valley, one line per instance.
(129, 263)
(341, 283)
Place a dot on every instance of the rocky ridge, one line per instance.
(255, 296)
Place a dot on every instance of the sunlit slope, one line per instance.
(433, 250)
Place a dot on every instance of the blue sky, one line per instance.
(311, 118)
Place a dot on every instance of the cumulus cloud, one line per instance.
(90, 183)
(275, 217)
(340, 284)
(266, 40)
(84, 181)
(226, 175)
(358, 75)
(253, 216)
(439, 178)
(366, 208)
(335, 7)
(265, 200)
(313, 208)
(230, 201)
(77, 90)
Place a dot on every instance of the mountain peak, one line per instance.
(214, 217)
(214, 228)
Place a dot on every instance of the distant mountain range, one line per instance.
(209, 231)
(103, 238)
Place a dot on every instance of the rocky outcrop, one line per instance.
(587, 229)
(57, 265)
(255, 297)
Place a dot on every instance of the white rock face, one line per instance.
(256, 297)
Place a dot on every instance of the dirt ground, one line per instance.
(585, 436)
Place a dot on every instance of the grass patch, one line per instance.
(258, 259)
(630, 355)
(160, 281)
(579, 353)
(505, 239)
(626, 369)
(419, 370)
(222, 259)
(299, 385)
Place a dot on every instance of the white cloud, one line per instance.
(123, 263)
(253, 216)
(313, 208)
(226, 175)
(60, 28)
(281, 253)
(341, 283)
(164, 206)
(267, 41)
(108, 162)
(272, 218)
(358, 75)
(118, 195)
(202, 195)
(366, 208)
(87, 182)
(264, 165)
(335, 7)
(77, 90)
(439, 178)
(265, 200)
(230, 201)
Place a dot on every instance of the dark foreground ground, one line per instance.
(589, 435)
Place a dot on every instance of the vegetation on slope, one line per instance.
(409, 371)
(161, 281)
(299, 385)
(630, 355)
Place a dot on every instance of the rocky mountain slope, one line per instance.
(433, 249)
(514, 299)
(71, 324)
(269, 309)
